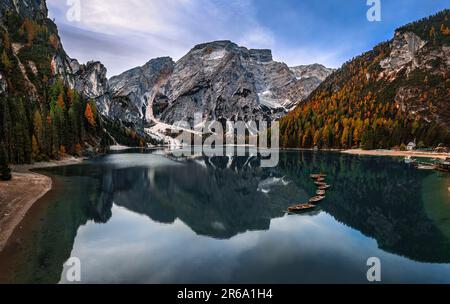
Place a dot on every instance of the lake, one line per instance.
(147, 216)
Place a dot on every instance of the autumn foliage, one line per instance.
(357, 107)
(89, 115)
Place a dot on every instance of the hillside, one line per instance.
(394, 94)
(44, 111)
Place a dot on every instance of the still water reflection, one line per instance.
(149, 217)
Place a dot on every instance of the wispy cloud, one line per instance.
(126, 33)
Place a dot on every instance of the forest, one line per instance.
(357, 108)
(40, 117)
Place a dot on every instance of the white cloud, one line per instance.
(258, 37)
(123, 34)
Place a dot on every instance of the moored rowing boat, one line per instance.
(316, 199)
(321, 192)
(301, 208)
(324, 187)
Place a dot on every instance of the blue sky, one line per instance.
(127, 33)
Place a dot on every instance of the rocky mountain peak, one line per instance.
(91, 82)
(312, 71)
(135, 90)
(220, 79)
(261, 55)
(217, 49)
(404, 50)
(216, 45)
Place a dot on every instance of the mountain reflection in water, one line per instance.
(224, 197)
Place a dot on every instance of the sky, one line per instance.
(123, 34)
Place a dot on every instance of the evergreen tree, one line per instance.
(5, 60)
(5, 171)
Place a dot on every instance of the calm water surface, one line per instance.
(149, 217)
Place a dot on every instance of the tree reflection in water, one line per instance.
(221, 197)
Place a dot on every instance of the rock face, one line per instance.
(316, 71)
(91, 82)
(419, 69)
(33, 9)
(136, 90)
(220, 80)
(404, 50)
(309, 77)
(61, 66)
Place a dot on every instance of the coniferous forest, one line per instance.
(40, 117)
(360, 107)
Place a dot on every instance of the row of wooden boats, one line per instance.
(322, 187)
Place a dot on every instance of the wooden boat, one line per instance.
(320, 180)
(301, 208)
(317, 176)
(409, 160)
(444, 165)
(321, 192)
(324, 187)
(320, 184)
(426, 167)
(316, 199)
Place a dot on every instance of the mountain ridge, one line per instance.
(201, 81)
(393, 94)
(48, 103)
(389, 96)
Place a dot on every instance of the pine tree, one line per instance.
(5, 60)
(5, 171)
(38, 127)
(35, 149)
(62, 151)
(6, 41)
(60, 102)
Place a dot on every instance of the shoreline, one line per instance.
(18, 195)
(418, 154)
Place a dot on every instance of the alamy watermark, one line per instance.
(374, 272)
(215, 139)
(72, 270)
(374, 12)
(74, 12)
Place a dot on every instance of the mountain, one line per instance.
(134, 91)
(220, 79)
(32, 9)
(394, 94)
(50, 104)
(309, 77)
(316, 72)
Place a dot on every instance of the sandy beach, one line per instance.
(18, 195)
(418, 154)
